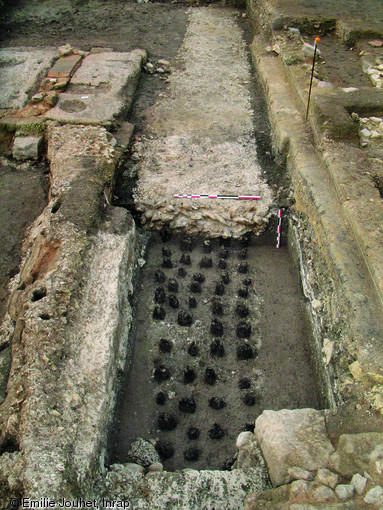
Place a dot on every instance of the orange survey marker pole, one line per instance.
(317, 39)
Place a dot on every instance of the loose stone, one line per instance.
(193, 433)
(225, 277)
(159, 276)
(159, 295)
(195, 287)
(344, 491)
(217, 403)
(165, 345)
(166, 421)
(217, 307)
(199, 277)
(159, 313)
(327, 477)
(219, 289)
(216, 327)
(374, 496)
(167, 263)
(193, 349)
(185, 259)
(191, 454)
(192, 302)
(243, 268)
(161, 374)
(160, 398)
(243, 292)
(217, 348)
(173, 301)
(165, 450)
(173, 285)
(206, 262)
(216, 432)
(245, 351)
(189, 375)
(243, 330)
(156, 467)
(359, 482)
(187, 405)
(184, 318)
(210, 376)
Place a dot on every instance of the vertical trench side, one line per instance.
(201, 136)
(343, 305)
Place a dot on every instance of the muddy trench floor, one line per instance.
(220, 335)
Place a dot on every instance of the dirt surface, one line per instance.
(278, 377)
(366, 10)
(23, 195)
(123, 26)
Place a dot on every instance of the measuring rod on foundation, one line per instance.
(222, 197)
(279, 228)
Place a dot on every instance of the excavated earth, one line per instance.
(250, 375)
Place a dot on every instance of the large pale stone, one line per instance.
(357, 453)
(101, 90)
(292, 438)
(27, 147)
(21, 72)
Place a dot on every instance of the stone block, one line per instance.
(374, 496)
(101, 90)
(298, 473)
(27, 147)
(292, 438)
(357, 453)
(345, 491)
(327, 477)
(64, 66)
(21, 72)
(359, 483)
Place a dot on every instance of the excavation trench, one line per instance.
(220, 334)
(220, 329)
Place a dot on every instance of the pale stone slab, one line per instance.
(27, 147)
(101, 90)
(292, 438)
(21, 72)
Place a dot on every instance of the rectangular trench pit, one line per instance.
(244, 347)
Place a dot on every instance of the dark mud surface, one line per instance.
(256, 346)
(123, 26)
(23, 196)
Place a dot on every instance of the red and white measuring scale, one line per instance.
(227, 197)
